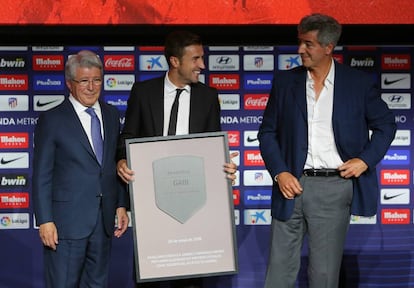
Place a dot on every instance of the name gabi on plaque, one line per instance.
(179, 184)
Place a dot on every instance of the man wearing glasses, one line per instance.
(76, 191)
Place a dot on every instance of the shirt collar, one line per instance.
(171, 88)
(80, 108)
(329, 78)
(331, 75)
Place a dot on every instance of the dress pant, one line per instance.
(322, 213)
(79, 263)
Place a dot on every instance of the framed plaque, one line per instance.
(182, 207)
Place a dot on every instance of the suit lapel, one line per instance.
(106, 122)
(299, 92)
(75, 128)
(195, 107)
(339, 89)
(156, 104)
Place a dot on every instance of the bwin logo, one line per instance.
(223, 60)
(395, 98)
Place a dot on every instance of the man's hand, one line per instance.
(231, 168)
(289, 185)
(353, 168)
(48, 234)
(124, 172)
(122, 223)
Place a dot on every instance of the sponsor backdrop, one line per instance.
(378, 250)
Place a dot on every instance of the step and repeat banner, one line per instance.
(379, 249)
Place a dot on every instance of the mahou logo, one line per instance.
(233, 138)
(395, 177)
(255, 101)
(14, 200)
(13, 82)
(119, 62)
(396, 62)
(48, 62)
(253, 158)
(14, 140)
(395, 216)
(225, 81)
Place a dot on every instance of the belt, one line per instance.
(321, 172)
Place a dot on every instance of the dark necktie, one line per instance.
(174, 111)
(96, 134)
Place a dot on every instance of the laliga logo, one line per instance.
(5, 221)
(111, 82)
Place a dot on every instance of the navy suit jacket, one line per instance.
(144, 116)
(357, 108)
(67, 178)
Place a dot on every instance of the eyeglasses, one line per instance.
(85, 82)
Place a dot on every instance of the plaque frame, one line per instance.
(206, 244)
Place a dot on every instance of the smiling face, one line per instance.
(185, 70)
(89, 94)
(312, 53)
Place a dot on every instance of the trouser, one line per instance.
(322, 212)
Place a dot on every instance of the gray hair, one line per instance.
(83, 58)
(329, 30)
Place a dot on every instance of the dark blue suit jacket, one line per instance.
(357, 108)
(67, 178)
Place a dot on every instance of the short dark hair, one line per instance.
(329, 29)
(176, 42)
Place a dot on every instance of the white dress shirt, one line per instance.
(85, 118)
(183, 116)
(322, 151)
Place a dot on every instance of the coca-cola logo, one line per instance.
(255, 101)
(119, 62)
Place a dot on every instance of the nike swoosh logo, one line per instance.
(251, 139)
(389, 82)
(3, 162)
(40, 104)
(387, 197)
